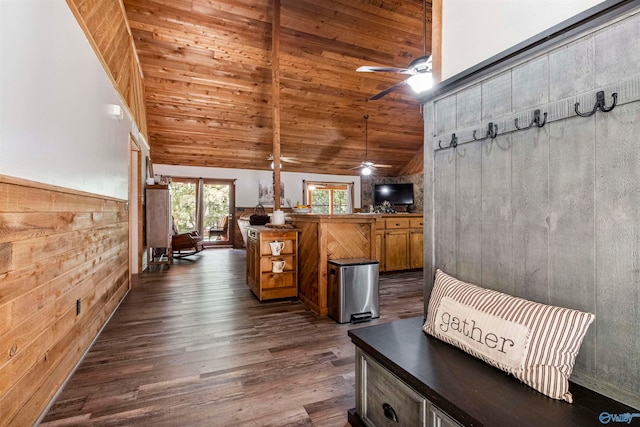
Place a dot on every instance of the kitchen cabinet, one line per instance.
(261, 279)
(396, 250)
(416, 243)
(399, 241)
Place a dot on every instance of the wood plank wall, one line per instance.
(57, 246)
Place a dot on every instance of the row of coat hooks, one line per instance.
(538, 120)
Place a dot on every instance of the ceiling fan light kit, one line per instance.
(420, 83)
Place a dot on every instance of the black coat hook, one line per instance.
(452, 144)
(600, 103)
(492, 132)
(536, 121)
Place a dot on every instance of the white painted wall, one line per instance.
(54, 91)
(247, 181)
(475, 30)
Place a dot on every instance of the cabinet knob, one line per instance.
(389, 412)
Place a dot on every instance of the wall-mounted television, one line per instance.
(396, 194)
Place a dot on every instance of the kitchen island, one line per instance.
(326, 237)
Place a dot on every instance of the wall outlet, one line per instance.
(78, 306)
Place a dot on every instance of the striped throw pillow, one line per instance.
(536, 343)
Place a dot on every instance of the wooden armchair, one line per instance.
(220, 229)
(186, 244)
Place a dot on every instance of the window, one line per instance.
(329, 198)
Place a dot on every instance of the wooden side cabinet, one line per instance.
(158, 216)
(261, 279)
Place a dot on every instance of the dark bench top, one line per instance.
(469, 390)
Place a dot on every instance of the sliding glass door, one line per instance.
(206, 206)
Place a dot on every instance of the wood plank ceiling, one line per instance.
(207, 74)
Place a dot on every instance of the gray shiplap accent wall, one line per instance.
(549, 214)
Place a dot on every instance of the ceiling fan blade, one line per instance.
(375, 165)
(387, 91)
(373, 69)
(284, 159)
(290, 160)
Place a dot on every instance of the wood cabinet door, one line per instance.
(416, 248)
(396, 250)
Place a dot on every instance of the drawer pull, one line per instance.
(389, 412)
(397, 225)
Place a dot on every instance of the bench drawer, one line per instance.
(386, 400)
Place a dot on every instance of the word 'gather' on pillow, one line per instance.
(534, 342)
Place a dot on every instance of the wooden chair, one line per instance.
(191, 243)
(220, 229)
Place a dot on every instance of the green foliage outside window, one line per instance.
(183, 201)
(321, 201)
(340, 201)
(216, 204)
(183, 206)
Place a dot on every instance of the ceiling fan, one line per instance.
(366, 166)
(421, 78)
(283, 159)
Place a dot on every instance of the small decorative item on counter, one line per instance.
(385, 207)
(278, 217)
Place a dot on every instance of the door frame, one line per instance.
(134, 206)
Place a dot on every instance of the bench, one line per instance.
(401, 370)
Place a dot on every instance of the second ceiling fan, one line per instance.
(366, 166)
(419, 69)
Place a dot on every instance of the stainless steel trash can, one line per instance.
(353, 290)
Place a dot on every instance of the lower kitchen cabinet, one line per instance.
(396, 250)
(416, 248)
(400, 241)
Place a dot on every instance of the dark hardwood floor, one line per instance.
(192, 346)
